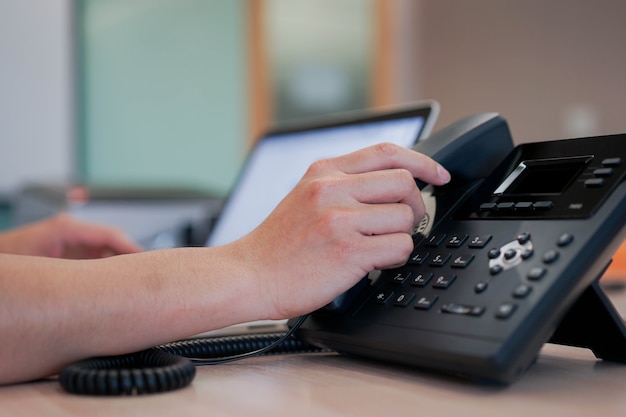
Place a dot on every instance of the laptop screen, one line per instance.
(281, 158)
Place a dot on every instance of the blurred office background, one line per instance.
(172, 93)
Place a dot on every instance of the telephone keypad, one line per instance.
(464, 283)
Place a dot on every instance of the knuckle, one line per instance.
(404, 247)
(406, 181)
(386, 149)
(321, 187)
(318, 167)
(408, 216)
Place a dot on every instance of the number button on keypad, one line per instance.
(439, 259)
(443, 281)
(421, 279)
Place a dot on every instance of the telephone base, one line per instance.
(593, 323)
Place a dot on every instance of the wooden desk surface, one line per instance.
(564, 382)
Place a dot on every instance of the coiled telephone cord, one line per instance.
(172, 366)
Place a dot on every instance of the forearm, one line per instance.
(53, 312)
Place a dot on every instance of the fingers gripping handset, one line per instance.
(469, 149)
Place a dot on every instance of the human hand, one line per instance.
(347, 216)
(62, 236)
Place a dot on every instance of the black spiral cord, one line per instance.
(172, 366)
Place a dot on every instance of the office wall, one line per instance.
(553, 68)
(163, 93)
(319, 56)
(36, 123)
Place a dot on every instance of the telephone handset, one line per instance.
(507, 259)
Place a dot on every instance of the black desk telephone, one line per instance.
(507, 258)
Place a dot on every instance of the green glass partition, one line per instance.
(162, 95)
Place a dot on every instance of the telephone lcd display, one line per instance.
(545, 176)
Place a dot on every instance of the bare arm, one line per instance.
(347, 216)
(62, 236)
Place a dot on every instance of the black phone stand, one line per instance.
(593, 323)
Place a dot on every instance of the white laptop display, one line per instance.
(281, 157)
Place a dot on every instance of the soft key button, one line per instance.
(603, 172)
(594, 183)
(543, 205)
(612, 162)
(524, 205)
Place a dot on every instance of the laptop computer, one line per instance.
(281, 157)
